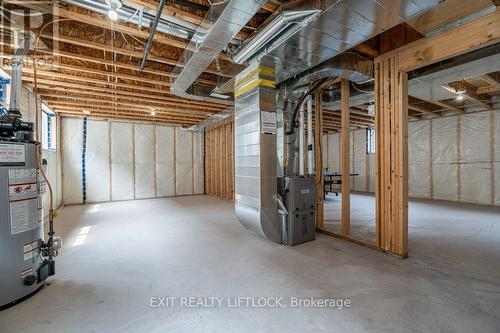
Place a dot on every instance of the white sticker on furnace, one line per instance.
(268, 122)
(12, 153)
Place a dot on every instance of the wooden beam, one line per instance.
(367, 49)
(489, 90)
(494, 85)
(391, 155)
(101, 113)
(318, 158)
(98, 101)
(113, 49)
(55, 76)
(469, 92)
(144, 102)
(465, 38)
(138, 76)
(171, 11)
(73, 93)
(179, 14)
(155, 95)
(270, 7)
(118, 110)
(446, 12)
(149, 120)
(422, 110)
(446, 106)
(344, 158)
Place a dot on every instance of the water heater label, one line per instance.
(24, 200)
(12, 154)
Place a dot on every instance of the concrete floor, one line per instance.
(362, 215)
(118, 255)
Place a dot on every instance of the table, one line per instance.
(333, 178)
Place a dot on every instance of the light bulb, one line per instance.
(460, 97)
(153, 113)
(113, 15)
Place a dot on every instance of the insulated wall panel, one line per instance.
(444, 158)
(325, 150)
(165, 161)
(475, 169)
(333, 152)
(72, 160)
(98, 161)
(371, 158)
(198, 175)
(419, 184)
(145, 173)
(496, 167)
(359, 147)
(496, 158)
(184, 162)
(122, 161)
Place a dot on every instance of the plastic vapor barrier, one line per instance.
(184, 162)
(72, 160)
(419, 166)
(333, 152)
(126, 161)
(444, 158)
(98, 159)
(199, 187)
(165, 162)
(325, 149)
(358, 163)
(144, 162)
(122, 161)
(449, 158)
(475, 168)
(496, 159)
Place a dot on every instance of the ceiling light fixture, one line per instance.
(86, 112)
(460, 95)
(153, 112)
(114, 5)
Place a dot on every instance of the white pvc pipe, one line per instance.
(310, 138)
(301, 140)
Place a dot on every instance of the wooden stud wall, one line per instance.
(344, 161)
(391, 156)
(219, 160)
(391, 125)
(318, 160)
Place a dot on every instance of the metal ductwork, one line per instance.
(256, 201)
(283, 25)
(222, 23)
(296, 59)
(340, 26)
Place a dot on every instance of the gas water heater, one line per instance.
(26, 260)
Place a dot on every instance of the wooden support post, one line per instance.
(318, 150)
(391, 155)
(344, 158)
